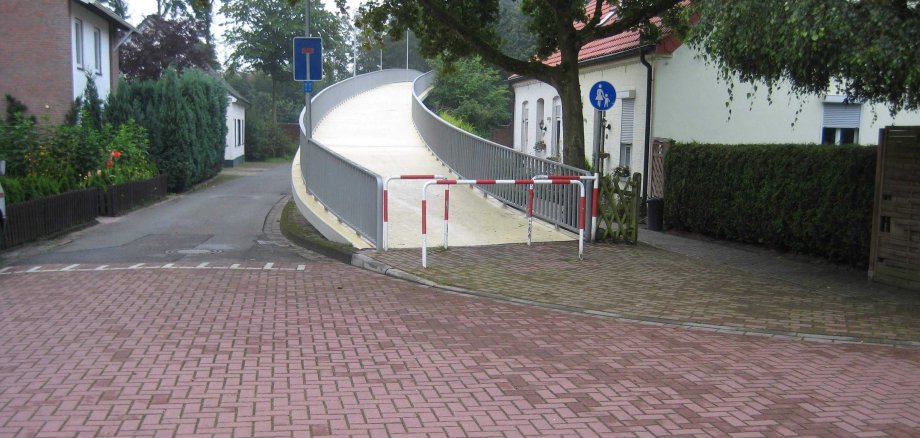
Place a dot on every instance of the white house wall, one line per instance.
(628, 77)
(103, 76)
(235, 111)
(690, 105)
(530, 91)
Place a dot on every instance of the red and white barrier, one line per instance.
(386, 206)
(595, 195)
(530, 182)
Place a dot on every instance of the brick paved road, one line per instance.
(326, 349)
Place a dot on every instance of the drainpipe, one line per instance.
(648, 123)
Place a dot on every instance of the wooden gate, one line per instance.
(895, 249)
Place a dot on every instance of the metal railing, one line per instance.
(473, 157)
(350, 191)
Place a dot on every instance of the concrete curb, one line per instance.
(365, 262)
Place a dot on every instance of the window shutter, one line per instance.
(629, 116)
(838, 115)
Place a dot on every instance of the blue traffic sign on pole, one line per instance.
(602, 96)
(308, 59)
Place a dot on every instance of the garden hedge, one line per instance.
(814, 199)
(186, 118)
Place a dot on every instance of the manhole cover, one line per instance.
(193, 251)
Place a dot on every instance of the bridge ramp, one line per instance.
(375, 130)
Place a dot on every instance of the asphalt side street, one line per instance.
(224, 222)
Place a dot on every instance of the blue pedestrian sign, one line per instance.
(602, 96)
(308, 59)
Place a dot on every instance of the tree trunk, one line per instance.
(573, 126)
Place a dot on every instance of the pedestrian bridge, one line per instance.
(375, 126)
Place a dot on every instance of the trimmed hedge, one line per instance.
(812, 199)
(186, 118)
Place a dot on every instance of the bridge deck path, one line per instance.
(375, 129)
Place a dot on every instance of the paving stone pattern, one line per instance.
(644, 282)
(333, 350)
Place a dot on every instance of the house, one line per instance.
(665, 90)
(235, 151)
(50, 47)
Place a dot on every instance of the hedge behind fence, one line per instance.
(808, 198)
(186, 118)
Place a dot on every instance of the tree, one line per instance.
(163, 43)
(391, 53)
(459, 28)
(475, 93)
(262, 38)
(119, 7)
(866, 47)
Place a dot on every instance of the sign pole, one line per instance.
(307, 119)
(598, 137)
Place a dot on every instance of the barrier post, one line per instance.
(530, 215)
(529, 182)
(595, 198)
(386, 202)
(424, 225)
(446, 212)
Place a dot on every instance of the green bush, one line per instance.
(458, 122)
(185, 116)
(474, 92)
(44, 160)
(806, 198)
(30, 187)
(265, 139)
(125, 158)
(18, 136)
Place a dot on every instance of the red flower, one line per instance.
(109, 163)
(116, 154)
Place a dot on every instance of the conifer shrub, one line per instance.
(185, 116)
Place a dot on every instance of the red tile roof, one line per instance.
(612, 44)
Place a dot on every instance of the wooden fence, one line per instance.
(30, 220)
(660, 148)
(894, 252)
(121, 198)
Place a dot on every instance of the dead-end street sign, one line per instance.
(308, 59)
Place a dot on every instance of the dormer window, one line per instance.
(606, 17)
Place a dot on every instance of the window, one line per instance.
(78, 42)
(557, 127)
(239, 132)
(839, 135)
(626, 131)
(97, 47)
(541, 124)
(525, 126)
(841, 123)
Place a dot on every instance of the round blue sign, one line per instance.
(602, 96)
